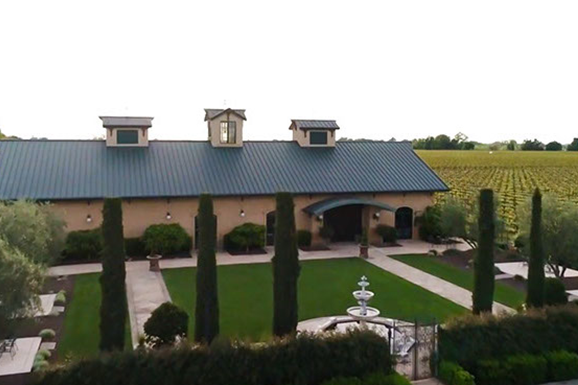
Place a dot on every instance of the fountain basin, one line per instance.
(365, 295)
(360, 313)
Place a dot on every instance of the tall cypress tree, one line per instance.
(113, 307)
(285, 268)
(536, 278)
(483, 295)
(207, 306)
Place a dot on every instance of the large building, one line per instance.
(347, 185)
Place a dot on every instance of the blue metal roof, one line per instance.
(54, 169)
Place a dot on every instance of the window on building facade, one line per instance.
(127, 136)
(317, 137)
(228, 132)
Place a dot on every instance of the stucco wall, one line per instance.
(138, 214)
(215, 130)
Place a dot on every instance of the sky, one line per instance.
(495, 70)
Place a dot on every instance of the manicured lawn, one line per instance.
(81, 333)
(246, 299)
(503, 293)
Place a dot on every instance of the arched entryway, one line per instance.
(196, 240)
(271, 228)
(404, 222)
(345, 222)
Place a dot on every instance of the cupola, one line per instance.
(225, 127)
(126, 131)
(314, 133)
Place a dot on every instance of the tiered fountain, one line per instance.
(363, 312)
(363, 316)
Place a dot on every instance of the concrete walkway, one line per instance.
(445, 289)
(145, 291)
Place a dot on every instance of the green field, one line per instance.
(81, 333)
(504, 294)
(512, 174)
(246, 299)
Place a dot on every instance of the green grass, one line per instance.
(81, 333)
(503, 293)
(246, 299)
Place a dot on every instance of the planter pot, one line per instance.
(154, 262)
(364, 251)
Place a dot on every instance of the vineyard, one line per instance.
(513, 175)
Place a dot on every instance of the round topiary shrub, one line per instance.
(166, 239)
(304, 238)
(83, 245)
(387, 233)
(246, 237)
(47, 334)
(166, 324)
(554, 292)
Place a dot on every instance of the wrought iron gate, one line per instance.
(415, 346)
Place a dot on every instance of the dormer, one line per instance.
(225, 127)
(126, 131)
(314, 133)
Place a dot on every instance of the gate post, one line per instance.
(415, 350)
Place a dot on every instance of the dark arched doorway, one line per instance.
(345, 222)
(404, 222)
(196, 240)
(271, 228)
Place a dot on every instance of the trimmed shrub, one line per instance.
(430, 229)
(83, 245)
(44, 354)
(466, 340)
(492, 372)
(535, 292)
(246, 237)
(40, 365)
(526, 369)
(135, 247)
(387, 233)
(305, 359)
(166, 239)
(166, 324)
(562, 365)
(554, 292)
(60, 298)
(484, 280)
(47, 334)
(304, 238)
(453, 374)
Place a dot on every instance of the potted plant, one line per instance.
(387, 234)
(364, 245)
(326, 233)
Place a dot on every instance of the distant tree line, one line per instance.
(443, 142)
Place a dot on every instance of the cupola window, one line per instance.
(228, 132)
(127, 136)
(318, 138)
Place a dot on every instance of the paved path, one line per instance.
(454, 293)
(145, 291)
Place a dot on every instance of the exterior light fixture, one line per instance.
(168, 216)
(242, 213)
(320, 217)
(376, 216)
(88, 219)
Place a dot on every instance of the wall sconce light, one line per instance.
(242, 213)
(376, 216)
(168, 216)
(320, 217)
(88, 219)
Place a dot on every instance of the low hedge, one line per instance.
(469, 339)
(304, 238)
(166, 239)
(305, 359)
(83, 245)
(562, 365)
(245, 237)
(377, 378)
(523, 369)
(453, 374)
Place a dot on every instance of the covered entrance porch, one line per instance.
(347, 216)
